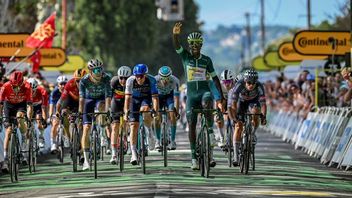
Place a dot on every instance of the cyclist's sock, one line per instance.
(53, 141)
(236, 151)
(193, 150)
(86, 156)
(158, 132)
(113, 150)
(5, 154)
(221, 132)
(173, 133)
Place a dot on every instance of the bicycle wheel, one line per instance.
(242, 153)
(206, 152)
(13, 156)
(200, 143)
(74, 147)
(101, 147)
(247, 153)
(95, 152)
(165, 143)
(121, 149)
(143, 148)
(253, 157)
(30, 153)
(229, 144)
(61, 144)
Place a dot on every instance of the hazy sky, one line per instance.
(284, 12)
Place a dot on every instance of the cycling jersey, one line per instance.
(118, 99)
(239, 92)
(139, 91)
(95, 90)
(55, 96)
(172, 86)
(22, 94)
(70, 90)
(40, 97)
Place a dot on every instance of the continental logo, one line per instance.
(287, 51)
(43, 32)
(306, 42)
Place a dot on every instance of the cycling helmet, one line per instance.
(79, 73)
(165, 71)
(124, 71)
(195, 36)
(250, 75)
(61, 79)
(226, 75)
(33, 82)
(94, 63)
(140, 69)
(16, 78)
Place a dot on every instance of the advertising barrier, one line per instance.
(325, 134)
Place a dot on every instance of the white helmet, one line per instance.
(61, 79)
(124, 71)
(226, 75)
(33, 82)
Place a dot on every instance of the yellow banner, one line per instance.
(259, 64)
(73, 62)
(272, 59)
(289, 54)
(322, 42)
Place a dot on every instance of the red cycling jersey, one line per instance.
(71, 89)
(40, 96)
(22, 94)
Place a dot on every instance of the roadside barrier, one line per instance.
(325, 134)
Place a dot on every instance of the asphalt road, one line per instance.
(280, 171)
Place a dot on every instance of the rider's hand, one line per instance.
(154, 113)
(125, 116)
(177, 28)
(44, 124)
(57, 114)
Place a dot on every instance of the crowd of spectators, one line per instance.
(298, 95)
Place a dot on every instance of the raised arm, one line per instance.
(176, 32)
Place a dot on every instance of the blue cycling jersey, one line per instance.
(54, 96)
(91, 90)
(147, 89)
(172, 85)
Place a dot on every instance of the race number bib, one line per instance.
(196, 73)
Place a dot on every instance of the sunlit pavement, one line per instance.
(280, 171)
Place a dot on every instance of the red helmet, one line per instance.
(16, 78)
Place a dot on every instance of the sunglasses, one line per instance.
(140, 76)
(250, 83)
(226, 82)
(123, 78)
(165, 78)
(62, 84)
(97, 70)
(197, 43)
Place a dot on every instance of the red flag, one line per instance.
(44, 35)
(35, 58)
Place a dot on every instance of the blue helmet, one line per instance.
(310, 77)
(140, 69)
(165, 71)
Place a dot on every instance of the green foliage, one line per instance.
(127, 32)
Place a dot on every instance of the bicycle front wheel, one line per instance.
(95, 152)
(14, 161)
(61, 144)
(229, 144)
(121, 148)
(74, 147)
(206, 153)
(143, 148)
(165, 143)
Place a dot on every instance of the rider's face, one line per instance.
(122, 80)
(195, 47)
(140, 79)
(62, 86)
(97, 72)
(250, 85)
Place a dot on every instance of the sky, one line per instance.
(282, 12)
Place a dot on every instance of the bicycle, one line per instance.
(75, 139)
(142, 151)
(95, 146)
(60, 139)
(203, 142)
(123, 146)
(33, 148)
(15, 152)
(246, 146)
(228, 141)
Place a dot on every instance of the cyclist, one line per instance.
(40, 108)
(196, 66)
(15, 100)
(94, 90)
(247, 95)
(227, 82)
(168, 88)
(118, 86)
(68, 101)
(141, 93)
(54, 98)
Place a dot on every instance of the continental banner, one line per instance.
(73, 62)
(272, 59)
(288, 53)
(322, 42)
